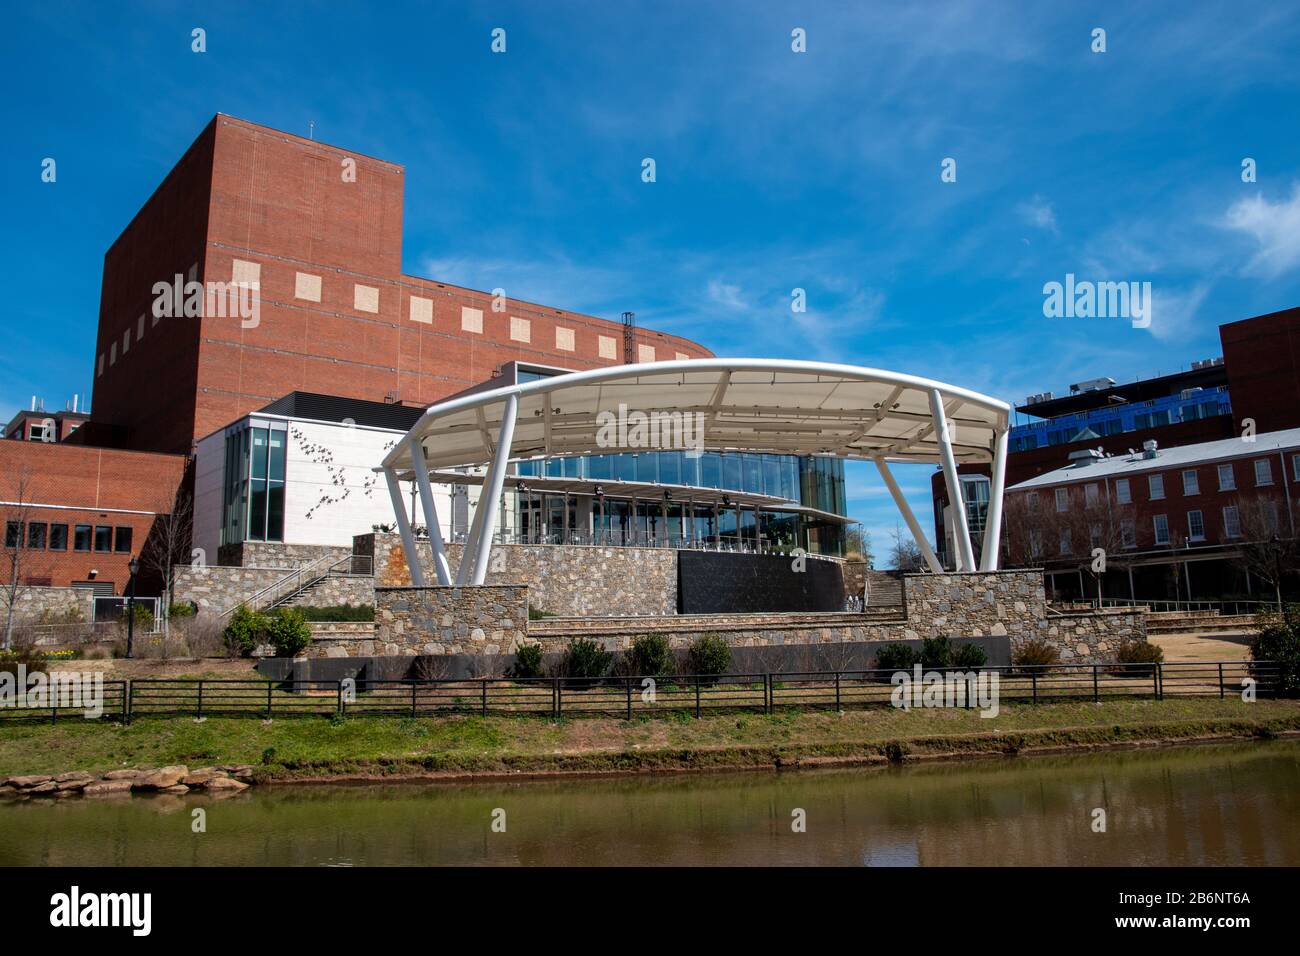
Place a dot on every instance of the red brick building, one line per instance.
(1170, 521)
(79, 514)
(317, 231)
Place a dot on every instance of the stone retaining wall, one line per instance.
(570, 580)
(338, 589)
(32, 602)
(219, 588)
(490, 620)
(273, 554)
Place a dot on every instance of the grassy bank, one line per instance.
(309, 748)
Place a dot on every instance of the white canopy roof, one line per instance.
(752, 405)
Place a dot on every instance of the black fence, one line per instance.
(630, 697)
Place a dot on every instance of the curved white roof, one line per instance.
(752, 405)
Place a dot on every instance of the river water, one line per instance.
(1237, 804)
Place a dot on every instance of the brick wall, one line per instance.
(336, 314)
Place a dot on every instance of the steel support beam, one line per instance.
(991, 555)
(492, 486)
(905, 509)
(965, 553)
(441, 570)
(404, 529)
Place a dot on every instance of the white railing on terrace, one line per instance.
(644, 539)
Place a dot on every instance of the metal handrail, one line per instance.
(252, 601)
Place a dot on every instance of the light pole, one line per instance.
(133, 565)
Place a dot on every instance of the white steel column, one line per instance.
(965, 554)
(440, 568)
(991, 555)
(492, 486)
(905, 509)
(404, 528)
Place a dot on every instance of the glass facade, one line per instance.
(1118, 419)
(253, 488)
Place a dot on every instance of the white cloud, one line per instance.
(1038, 212)
(725, 294)
(1274, 226)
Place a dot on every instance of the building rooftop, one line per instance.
(1136, 462)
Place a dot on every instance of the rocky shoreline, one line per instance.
(178, 779)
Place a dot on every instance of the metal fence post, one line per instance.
(629, 698)
(1033, 676)
(268, 700)
(1096, 691)
(414, 685)
(697, 696)
(200, 712)
(1220, 680)
(338, 707)
(837, 690)
(126, 702)
(1155, 681)
(484, 704)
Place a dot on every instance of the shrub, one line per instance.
(651, 656)
(339, 613)
(287, 631)
(708, 655)
(243, 632)
(895, 657)
(936, 652)
(1139, 652)
(969, 657)
(1278, 641)
(70, 615)
(586, 659)
(536, 614)
(181, 610)
(1035, 652)
(528, 661)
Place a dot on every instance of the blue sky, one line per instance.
(775, 170)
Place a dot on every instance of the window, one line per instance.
(81, 538)
(12, 534)
(1091, 493)
(253, 498)
(1161, 525)
(103, 538)
(1231, 522)
(1062, 499)
(1094, 536)
(1268, 511)
(1036, 544)
(122, 540)
(1032, 499)
(1067, 546)
(58, 537)
(1227, 480)
(1122, 493)
(1191, 484)
(1295, 467)
(1156, 486)
(1263, 471)
(1128, 533)
(1195, 526)
(36, 533)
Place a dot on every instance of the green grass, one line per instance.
(378, 746)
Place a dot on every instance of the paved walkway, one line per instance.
(1208, 646)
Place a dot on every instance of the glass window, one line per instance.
(1227, 480)
(1161, 525)
(58, 537)
(1122, 493)
(1091, 493)
(122, 540)
(771, 475)
(36, 534)
(81, 538)
(12, 534)
(1062, 499)
(1191, 484)
(1295, 467)
(1066, 546)
(1263, 471)
(1195, 526)
(711, 470)
(1156, 486)
(731, 472)
(103, 537)
(1128, 533)
(1231, 522)
(670, 467)
(753, 474)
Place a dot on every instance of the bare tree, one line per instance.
(857, 541)
(1270, 549)
(1026, 530)
(904, 552)
(16, 565)
(167, 546)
